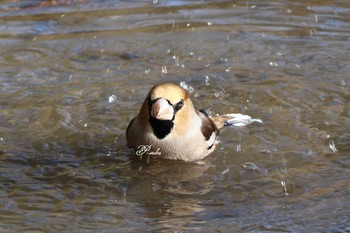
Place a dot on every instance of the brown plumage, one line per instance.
(168, 126)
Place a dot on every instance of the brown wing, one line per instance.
(208, 126)
(127, 132)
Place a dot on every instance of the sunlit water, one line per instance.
(73, 74)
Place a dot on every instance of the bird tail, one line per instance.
(233, 119)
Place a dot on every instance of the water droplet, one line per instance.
(225, 171)
(249, 166)
(164, 70)
(207, 80)
(332, 146)
(112, 99)
(210, 23)
(284, 186)
(176, 58)
(196, 95)
(187, 87)
(265, 151)
(272, 63)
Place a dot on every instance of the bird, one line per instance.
(168, 126)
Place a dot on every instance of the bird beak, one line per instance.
(162, 110)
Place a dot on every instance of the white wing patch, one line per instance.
(211, 140)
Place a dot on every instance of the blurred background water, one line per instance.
(74, 73)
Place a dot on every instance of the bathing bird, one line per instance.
(168, 126)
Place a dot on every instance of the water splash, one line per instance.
(249, 166)
(112, 99)
(187, 87)
(273, 63)
(164, 70)
(332, 146)
(207, 80)
(176, 59)
(284, 187)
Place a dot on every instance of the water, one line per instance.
(74, 73)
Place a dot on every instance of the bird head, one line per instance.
(167, 105)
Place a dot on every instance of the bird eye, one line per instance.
(179, 105)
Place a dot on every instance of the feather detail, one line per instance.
(234, 119)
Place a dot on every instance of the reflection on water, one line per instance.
(73, 74)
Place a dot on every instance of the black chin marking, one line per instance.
(161, 128)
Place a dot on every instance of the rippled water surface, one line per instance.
(74, 73)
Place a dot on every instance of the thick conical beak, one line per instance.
(162, 110)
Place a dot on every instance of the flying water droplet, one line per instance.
(272, 63)
(225, 171)
(187, 87)
(112, 99)
(197, 95)
(332, 146)
(207, 80)
(284, 187)
(210, 23)
(164, 70)
(249, 166)
(176, 58)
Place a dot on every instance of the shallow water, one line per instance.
(73, 74)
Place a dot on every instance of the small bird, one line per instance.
(168, 126)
